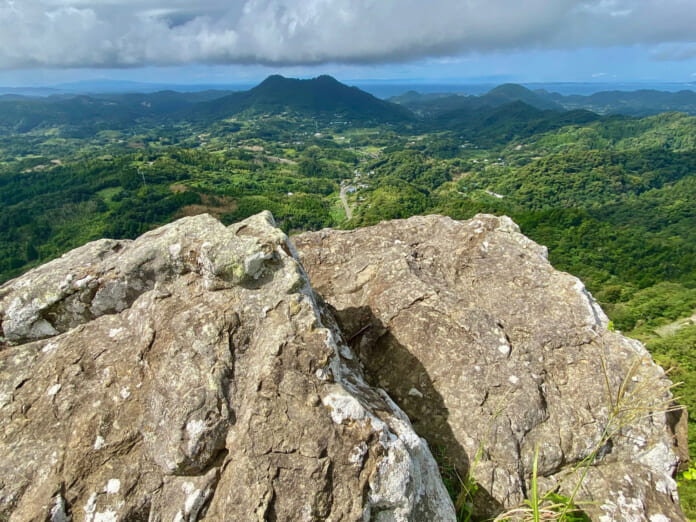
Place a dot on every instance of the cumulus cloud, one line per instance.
(128, 33)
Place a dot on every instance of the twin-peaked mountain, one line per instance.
(322, 96)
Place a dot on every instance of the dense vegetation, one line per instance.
(611, 197)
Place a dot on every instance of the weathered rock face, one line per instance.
(192, 374)
(484, 345)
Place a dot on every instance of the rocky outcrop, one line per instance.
(191, 374)
(490, 351)
(195, 374)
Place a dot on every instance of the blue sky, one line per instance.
(47, 42)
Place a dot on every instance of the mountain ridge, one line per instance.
(641, 102)
(323, 96)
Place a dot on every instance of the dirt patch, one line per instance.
(253, 148)
(38, 168)
(669, 330)
(283, 161)
(193, 210)
(178, 188)
(216, 206)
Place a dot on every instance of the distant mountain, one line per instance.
(418, 97)
(104, 86)
(165, 102)
(322, 97)
(436, 104)
(12, 97)
(429, 105)
(644, 102)
(510, 92)
(388, 89)
(108, 86)
(22, 114)
(29, 91)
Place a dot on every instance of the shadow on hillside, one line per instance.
(390, 366)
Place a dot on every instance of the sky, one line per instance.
(46, 42)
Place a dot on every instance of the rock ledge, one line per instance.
(483, 344)
(192, 374)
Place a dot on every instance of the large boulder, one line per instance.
(192, 374)
(494, 355)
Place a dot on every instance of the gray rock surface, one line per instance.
(484, 345)
(191, 374)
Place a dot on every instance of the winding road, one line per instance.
(349, 212)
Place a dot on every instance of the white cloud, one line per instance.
(123, 33)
